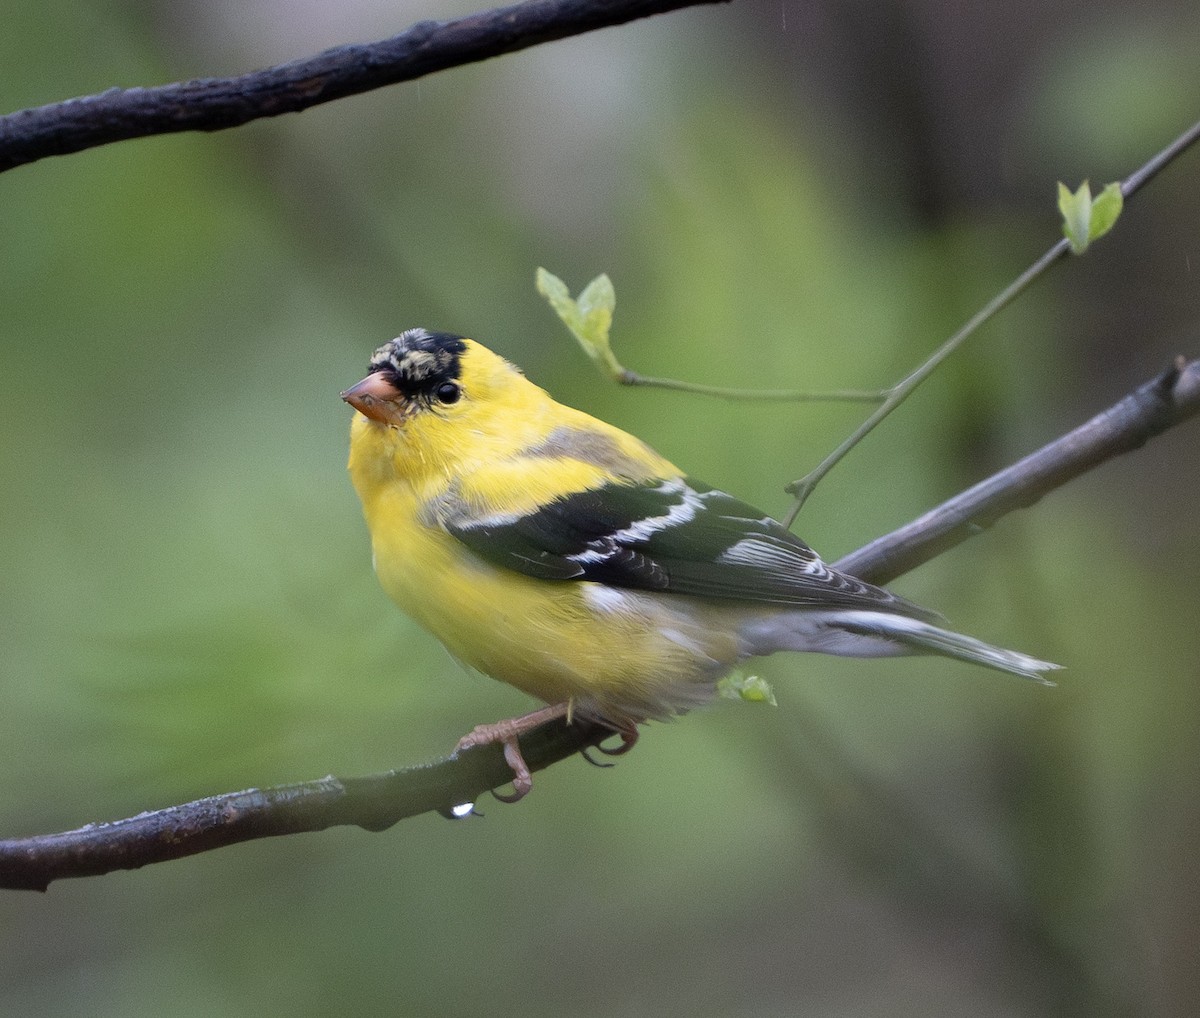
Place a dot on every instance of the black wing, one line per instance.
(675, 536)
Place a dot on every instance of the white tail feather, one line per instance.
(863, 632)
(925, 638)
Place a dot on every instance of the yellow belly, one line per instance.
(620, 655)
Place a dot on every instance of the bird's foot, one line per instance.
(506, 733)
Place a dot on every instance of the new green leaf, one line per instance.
(751, 688)
(1106, 208)
(589, 317)
(1086, 219)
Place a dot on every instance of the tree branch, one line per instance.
(374, 803)
(213, 104)
(378, 802)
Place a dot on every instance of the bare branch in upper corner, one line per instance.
(213, 104)
(378, 802)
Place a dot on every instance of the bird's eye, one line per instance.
(448, 392)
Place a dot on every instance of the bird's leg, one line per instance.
(507, 733)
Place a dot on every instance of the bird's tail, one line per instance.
(923, 638)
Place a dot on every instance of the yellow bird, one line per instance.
(565, 557)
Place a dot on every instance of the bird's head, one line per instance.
(433, 400)
(416, 373)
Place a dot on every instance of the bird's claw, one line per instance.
(506, 734)
(503, 732)
(629, 738)
(522, 781)
(587, 755)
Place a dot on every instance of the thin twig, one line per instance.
(378, 802)
(628, 377)
(1140, 177)
(214, 104)
(897, 395)
(1161, 403)
(803, 487)
(588, 319)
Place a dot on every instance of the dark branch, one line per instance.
(213, 104)
(378, 802)
(374, 803)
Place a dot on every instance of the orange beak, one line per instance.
(375, 397)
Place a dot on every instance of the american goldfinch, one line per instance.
(567, 558)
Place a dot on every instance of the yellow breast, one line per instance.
(615, 653)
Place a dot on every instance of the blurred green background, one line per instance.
(784, 194)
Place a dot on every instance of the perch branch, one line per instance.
(214, 104)
(377, 802)
(373, 803)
